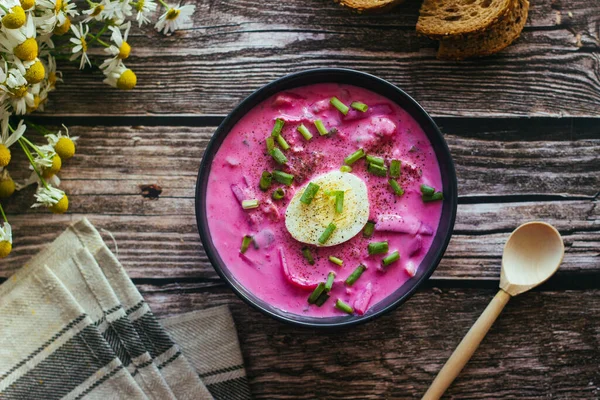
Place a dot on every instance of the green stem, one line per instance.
(28, 154)
(165, 5)
(103, 43)
(33, 146)
(39, 128)
(3, 215)
(94, 38)
(6, 10)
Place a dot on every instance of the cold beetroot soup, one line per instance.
(324, 199)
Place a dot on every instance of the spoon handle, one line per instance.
(467, 347)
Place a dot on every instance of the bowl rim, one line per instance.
(282, 84)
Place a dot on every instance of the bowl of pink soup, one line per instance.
(326, 198)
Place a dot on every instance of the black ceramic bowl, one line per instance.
(377, 85)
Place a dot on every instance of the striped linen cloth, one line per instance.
(139, 359)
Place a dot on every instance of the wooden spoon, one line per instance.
(531, 255)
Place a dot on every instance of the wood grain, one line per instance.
(545, 344)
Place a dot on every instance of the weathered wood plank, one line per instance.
(545, 344)
(236, 47)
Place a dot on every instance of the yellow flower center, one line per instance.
(5, 248)
(64, 28)
(54, 168)
(4, 155)
(97, 10)
(35, 73)
(61, 207)
(36, 103)
(139, 6)
(7, 187)
(127, 80)
(83, 44)
(124, 51)
(65, 148)
(57, 6)
(52, 79)
(15, 19)
(27, 4)
(27, 51)
(173, 14)
(19, 92)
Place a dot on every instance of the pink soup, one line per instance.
(274, 267)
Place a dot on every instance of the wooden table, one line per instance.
(524, 130)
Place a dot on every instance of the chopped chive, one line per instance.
(357, 105)
(322, 299)
(340, 305)
(368, 229)
(309, 193)
(277, 127)
(355, 275)
(375, 160)
(339, 105)
(375, 169)
(270, 144)
(304, 132)
(434, 197)
(248, 204)
(316, 293)
(395, 168)
(282, 143)
(278, 194)
(336, 261)
(377, 248)
(283, 177)
(308, 256)
(265, 181)
(427, 190)
(390, 258)
(321, 127)
(345, 168)
(327, 233)
(396, 187)
(339, 201)
(246, 240)
(354, 157)
(329, 283)
(278, 156)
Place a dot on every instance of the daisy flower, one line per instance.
(54, 199)
(16, 90)
(7, 185)
(9, 138)
(52, 75)
(121, 78)
(80, 49)
(117, 11)
(21, 42)
(5, 238)
(64, 145)
(12, 14)
(50, 15)
(95, 13)
(120, 50)
(174, 18)
(27, 4)
(144, 8)
(33, 71)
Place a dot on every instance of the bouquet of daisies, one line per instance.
(33, 34)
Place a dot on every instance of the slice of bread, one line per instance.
(444, 18)
(500, 35)
(370, 5)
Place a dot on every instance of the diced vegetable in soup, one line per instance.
(324, 200)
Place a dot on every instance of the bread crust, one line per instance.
(370, 6)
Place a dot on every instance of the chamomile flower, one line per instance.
(54, 199)
(12, 14)
(117, 10)
(52, 75)
(27, 4)
(121, 78)
(21, 42)
(81, 48)
(8, 138)
(119, 50)
(5, 239)
(174, 18)
(64, 145)
(33, 71)
(144, 8)
(7, 185)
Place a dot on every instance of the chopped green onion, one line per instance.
(435, 197)
(345, 168)
(270, 144)
(327, 233)
(278, 194)
(265, 181)
(376, 169)
(375, 160)
(340, 305)
(390, 258)
(368, 229)
(246, 240)
(248, 204)
(278, 156)
(282, 143)
(283, 177)
(277, 127)
(339, 201)
(336, 261)
(329, 283)
(357, 105)
(355, 275)
(308, 256)
(427, 190)
(322, 299)
(395, 170)
(321, 127)
(354, 157)
(316, 293)
(339, 105)
(304, 132)
(309, 193)
(377, 248)
(396, 187)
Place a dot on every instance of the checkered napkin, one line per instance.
(73, 325)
